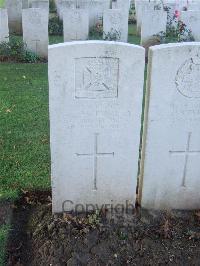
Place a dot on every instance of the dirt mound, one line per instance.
(148, 238)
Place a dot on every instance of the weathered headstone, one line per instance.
(4, 31)
(35, 30)
(40, 4)
(115, 25)
(63, 5)
(192, 21)
(154, 22)
(178, 5)
(183, 5)
(95, 9)
(25, 4)
(96, 90)
(114, 4)
(171, 146)
(123, 5)
(141, 8)
(14, 9)
(194, 6)
(75, 24)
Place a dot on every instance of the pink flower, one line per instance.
(177, 13)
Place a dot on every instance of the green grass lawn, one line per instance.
(24, 134)
(132, 38)
(24, 131)
(2, 3)
(55, 39)
(132, 35)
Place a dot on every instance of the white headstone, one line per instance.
(75, 24)
(35, 30)
(192, 21)
(141, 8)
(115, 24)
(177, 4)
(183, 5)
(14, 8)
(194, 6)
(96, 90)
(63, 5)
(25, 4)
(40, 4)
(95, 9)
(171, 146)
(123, 5)
(114, 4)
(154, 22)
(4, 31)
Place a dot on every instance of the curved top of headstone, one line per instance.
(105, 43)
(173, 45)
(180, 61)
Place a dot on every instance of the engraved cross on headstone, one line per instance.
(95, 156)
(186, 153)
(36, 45)
(75, 39)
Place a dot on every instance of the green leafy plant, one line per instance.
(113, 35)
(52, 7)
(176, 30)
(55, 26)
(178, 33)
(12, 49)
(132, 15)
(16, 50)
(96, 32)
(30, 57)
(94, 219)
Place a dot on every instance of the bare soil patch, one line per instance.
(142, 238)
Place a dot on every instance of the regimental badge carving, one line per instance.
(96, 77)
(35, 18)
(75, 17)
(115, 19)
(188, 78)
